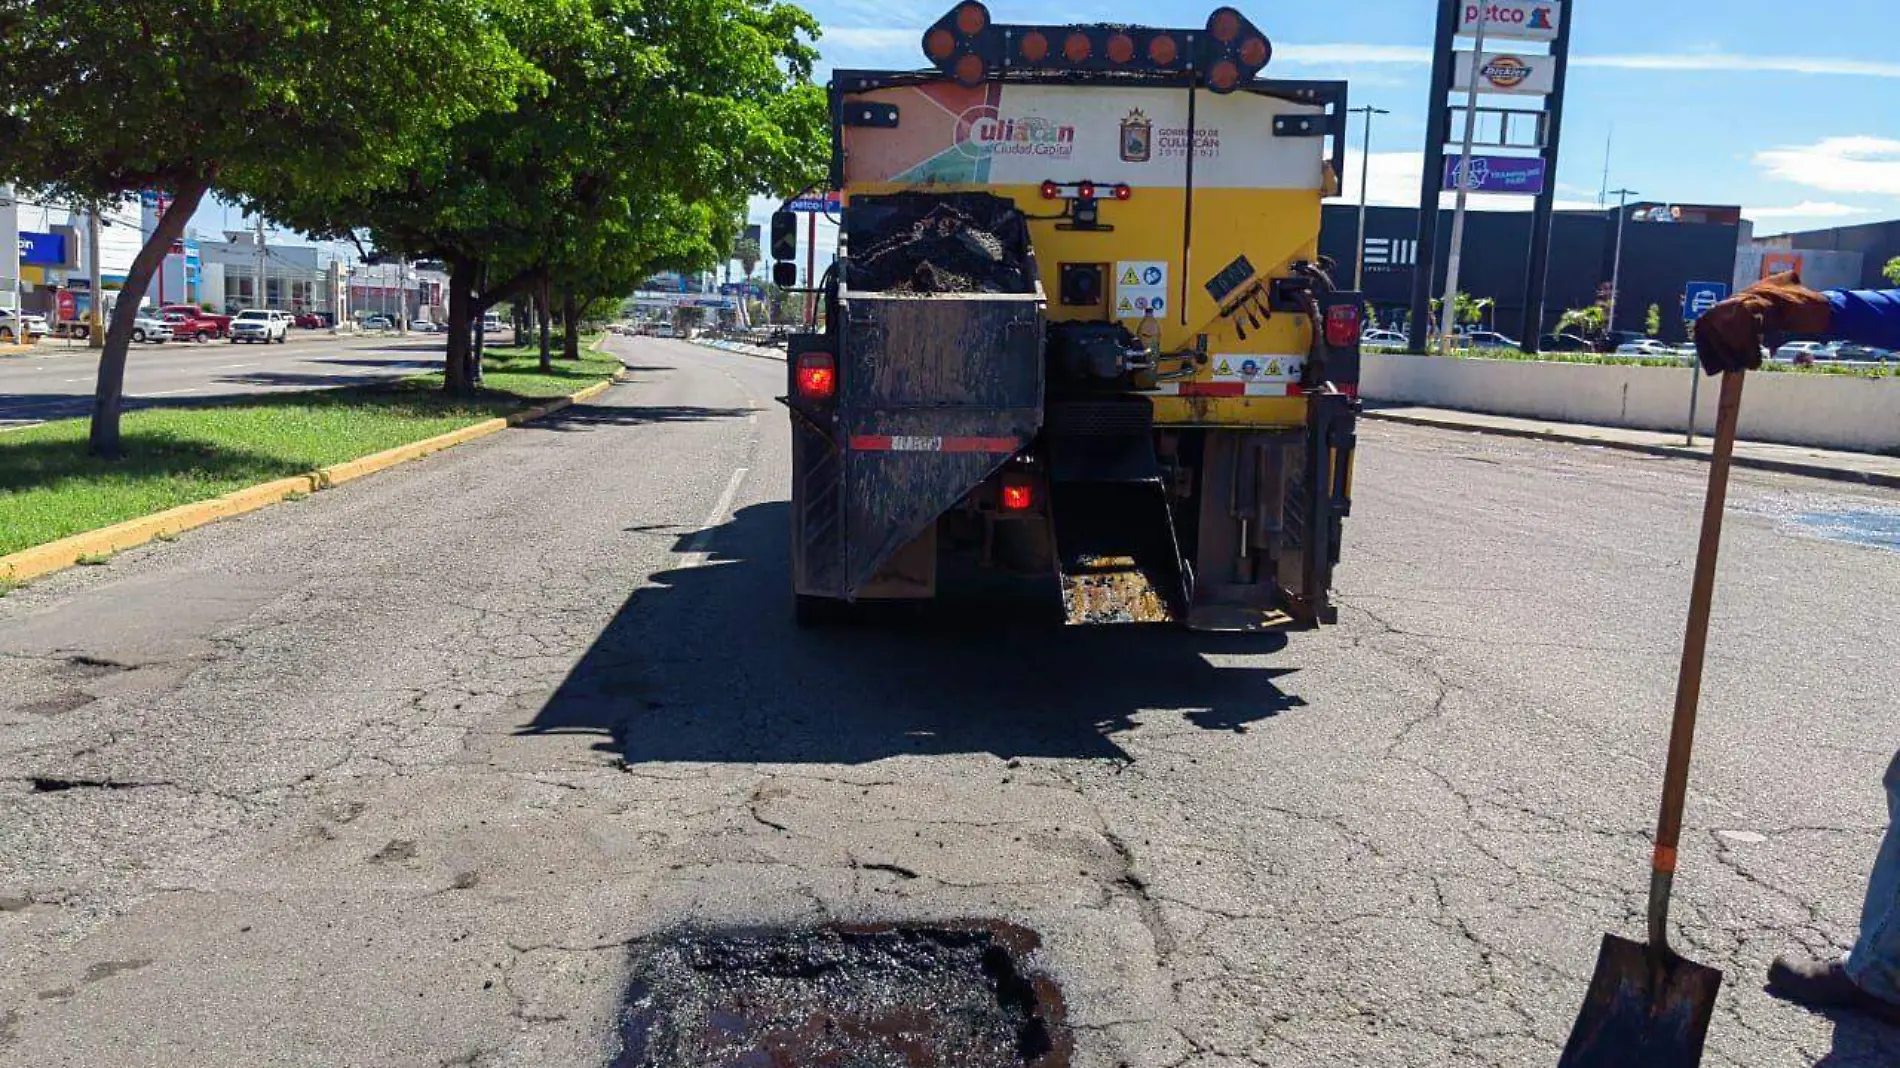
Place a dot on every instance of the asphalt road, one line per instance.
(401, 774)
(55, 381)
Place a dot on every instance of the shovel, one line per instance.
(1647, 1007)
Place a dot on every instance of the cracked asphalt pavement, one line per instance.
(403, 773)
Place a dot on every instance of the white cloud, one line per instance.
(1348, 53)
(1315, 54)
(1724, 61)
(870, 38)
(1807, 209)
(1865, 165)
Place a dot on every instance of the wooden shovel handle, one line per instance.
(1696, 639)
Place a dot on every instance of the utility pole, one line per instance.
(1616, 264)
(263, 265)
(96, 299)
(1365, 170)
(1446, 310)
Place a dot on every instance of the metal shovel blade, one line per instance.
(1642, 1011)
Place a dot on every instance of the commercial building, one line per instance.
(1664, 247)
(45, 253)
(1844, 257)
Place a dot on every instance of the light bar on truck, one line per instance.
(1225, 54)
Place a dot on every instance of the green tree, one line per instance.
(746, 251)
(1891, 272)
(1652, 321)
(656, 120)
(107, 98)
(1587, 321)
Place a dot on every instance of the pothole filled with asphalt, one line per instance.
(959, 995)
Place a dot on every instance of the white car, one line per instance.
(152, 329)
(1384, 339)
(1647, 348)
(35, 326)
(258, 324)
(1798, 351)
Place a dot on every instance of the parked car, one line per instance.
(191, 321)
(1848, 350)
(35, 326)
(423, 326)
(379, 322)
(491, 324)
(663, 330)
(1647, 347)
(1383, 338)
(151, 328)
(1565, 343)
(310, 321)
(1486, 339)
(1801, 353)
(259, 324)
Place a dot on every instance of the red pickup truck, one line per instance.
(193, 322)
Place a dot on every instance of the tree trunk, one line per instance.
(546, 316)
(457, 379)
(482, 304)
(571, 339)
(108, 395)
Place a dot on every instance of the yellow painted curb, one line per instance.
(42, 560)
(58, 555)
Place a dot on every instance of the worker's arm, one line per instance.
(1728, 337)
(1866, 316)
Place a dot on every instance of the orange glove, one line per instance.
(1728, 337)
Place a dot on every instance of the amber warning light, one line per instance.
(967, 45)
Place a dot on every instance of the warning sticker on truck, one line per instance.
(1254, 367)
(1141, 286)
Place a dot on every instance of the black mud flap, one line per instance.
(904, 469)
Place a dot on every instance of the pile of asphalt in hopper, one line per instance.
(921, 243)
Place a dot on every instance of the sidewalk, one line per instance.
(1860, 467)
(764, 352)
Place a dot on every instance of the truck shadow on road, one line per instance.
(708, 666)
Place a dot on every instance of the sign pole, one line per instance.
(1437, 122)
(1532, 331)
(811, 266)
(1616, 262)
(1447, 311)
(1695, 385)
(96, 299)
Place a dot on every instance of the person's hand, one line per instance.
(1729, 336)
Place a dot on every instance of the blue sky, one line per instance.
(1790, 110)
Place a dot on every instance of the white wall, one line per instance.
(1827, 411)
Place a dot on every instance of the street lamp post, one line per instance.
(1616, 264)
(1365, 170)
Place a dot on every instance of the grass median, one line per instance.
(175, 454)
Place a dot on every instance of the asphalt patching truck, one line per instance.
(1078, 333)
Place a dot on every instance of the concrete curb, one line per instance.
(1786, 467)
(738, 348)
(42, 560)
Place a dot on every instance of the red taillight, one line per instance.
(1085, 190)
(1122, 192)
(1051, 190)
(1342, 326)
(1018, 496)
(817, 376)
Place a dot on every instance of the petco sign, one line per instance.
(1530, 20)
